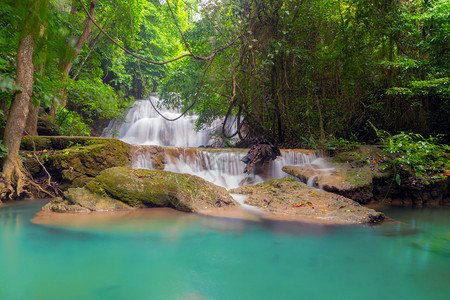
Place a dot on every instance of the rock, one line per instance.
(74, 161)
(144, 188)
(344, 179)
(40, 143)
(357, 175)
(350, 174)
(47, 128)
(287, 197)
(83, 200)
(156, 155)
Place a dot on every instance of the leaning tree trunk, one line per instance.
(66, 65)
(13, 167)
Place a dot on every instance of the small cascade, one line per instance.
(143, 126)
(222, 167)
(319, 169)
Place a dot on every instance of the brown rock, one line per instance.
(287, 197)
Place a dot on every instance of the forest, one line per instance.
(320, 74)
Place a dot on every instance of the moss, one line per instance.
(59, 142)
(35, 143)
(152, 188)
(79, 163)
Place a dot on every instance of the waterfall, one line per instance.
(223, 167)
(143, 126)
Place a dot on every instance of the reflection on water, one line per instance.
(163, 254)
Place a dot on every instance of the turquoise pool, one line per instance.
(177, 256)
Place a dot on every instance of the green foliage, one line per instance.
(331, 144)
(71, 123)
(3, 149)
(302, 65)
(288, 68)
(416, 156)
(334, 144)
(94, 100)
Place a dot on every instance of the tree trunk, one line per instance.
(33, 113)
(32, 118)
(66, 65)
(15, 125)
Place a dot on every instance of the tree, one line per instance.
(66, 63)
(13, 174)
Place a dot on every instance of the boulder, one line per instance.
(74, 161)
(143, 188)
(358, 175)
(48, 128)
(287, 197)
(345, 179)
(82, 200)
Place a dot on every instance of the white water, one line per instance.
(222, 167)
(143, 126)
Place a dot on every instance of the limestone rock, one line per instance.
(144, 188)
(341, 178)
(82, 200)
(48, 128)
(287, 197)
(74, 161)
(357, 175)
(155, 155)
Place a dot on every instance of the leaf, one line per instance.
(398, 180)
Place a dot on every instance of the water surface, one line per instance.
(170, 255)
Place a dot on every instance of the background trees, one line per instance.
(305, 69)
(301, 70)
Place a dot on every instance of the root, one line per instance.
(17, 180)
(13, 180)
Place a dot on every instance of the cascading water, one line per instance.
(143, 126)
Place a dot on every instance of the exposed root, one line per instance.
(13, 180)
(40, 189)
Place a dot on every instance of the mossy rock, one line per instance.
(351, 180)
(292, 198)
(82, 200)
(145, 188)
(78, 164)
(359, 155)
(47, 128)
(39, 143)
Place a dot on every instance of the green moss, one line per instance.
(60, 142)
(151, 188)
(76, 160)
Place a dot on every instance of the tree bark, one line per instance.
(66, 65)
(33, 113)
(32, 118)
(15, 125)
